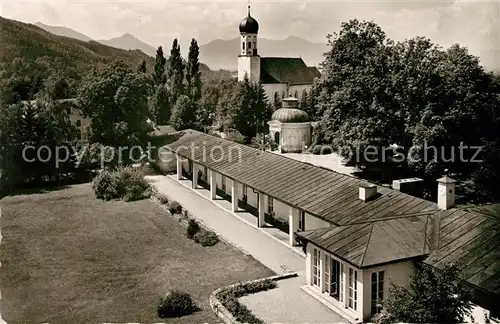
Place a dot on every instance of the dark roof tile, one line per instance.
(286, 70)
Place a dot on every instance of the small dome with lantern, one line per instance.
(290, 113)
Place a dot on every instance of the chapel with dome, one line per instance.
(279, 76)
(290, 127)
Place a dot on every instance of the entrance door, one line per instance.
(277, 138)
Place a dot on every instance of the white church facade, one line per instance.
(281, 77)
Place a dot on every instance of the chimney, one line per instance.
(446, 193)
(410, 186)
(367, 191)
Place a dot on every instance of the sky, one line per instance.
(474, 24)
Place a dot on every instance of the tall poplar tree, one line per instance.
(159, 71)
(175, 72)
(193, 75)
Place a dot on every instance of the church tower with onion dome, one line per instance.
(249, 59)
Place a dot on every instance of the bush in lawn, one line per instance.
(105, 186)
(175, 303)
(127, 183)
(206, 238)
(192, 228)
(131, 184)
(175, 208)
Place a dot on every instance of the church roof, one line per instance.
(286, 70)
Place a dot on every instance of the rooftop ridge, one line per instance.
(367, 244)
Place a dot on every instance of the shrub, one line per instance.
(206, 238)
(105, 186)
(175, 304)
(322, 149)
(192, 228)
(175, 208)
(163, 199)
(126, 183)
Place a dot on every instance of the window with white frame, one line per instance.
(377, 290)
(223, 183)
(332, 276)
(270, 205)
(316, 267)
(353, 289)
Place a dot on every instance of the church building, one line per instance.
(281, 77)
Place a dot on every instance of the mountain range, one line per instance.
(217, 54)
(222, 54)
(72, 56)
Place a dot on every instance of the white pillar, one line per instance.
(195, 176)
(234, 196)
(293, 224)
(309, 265)
(262, 218)
(179, 167)
(213, 184)
(321, 271)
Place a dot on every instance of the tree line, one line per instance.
(375, 92)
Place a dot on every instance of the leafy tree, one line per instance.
(175, 72)
(159, 105)
(142, 67)
(260, 107)
(246, 110)
(159, 69)
(115, 99)
(193, 75)
(183, 114)
(24, 129)
(375, 92)
(432, 296)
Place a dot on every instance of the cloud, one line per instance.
(471, 23)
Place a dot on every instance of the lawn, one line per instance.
(69, 258)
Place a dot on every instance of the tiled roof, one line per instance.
(315, 71)
(370, 244)
(326, 194)
(472, 240)
(286, 70)
(390, 227)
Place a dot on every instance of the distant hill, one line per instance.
(30, 43)
(45, 54)
(128, 41)
(63, 31)
(223, 54)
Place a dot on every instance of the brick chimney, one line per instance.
(446, 193)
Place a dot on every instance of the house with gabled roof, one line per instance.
(281, 77)
(357, 237)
